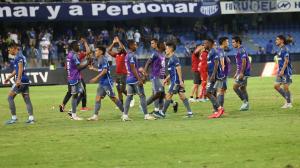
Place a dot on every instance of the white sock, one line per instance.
(74, 115)
(14, 117)
(31, 117)
(160, 111)
(190, 112)
(156, 109)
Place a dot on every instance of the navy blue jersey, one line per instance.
(105, 80)
(172, 64)
(212, 56)
(20, 59)
(281, 55)
(221, 73)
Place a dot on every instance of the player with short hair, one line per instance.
(73, 71)
(21, 84)
(177, 84)
(284, 73)
(134, 83)
(243, 66)
(213, 62)
(202, 67)
(157, 75)
(121, 72)
(222, 73)
(196, 74)
(82, 97)
(105, 82)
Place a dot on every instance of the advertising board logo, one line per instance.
(209, 10)
(284, 5)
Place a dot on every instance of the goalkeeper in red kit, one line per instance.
(202, 67)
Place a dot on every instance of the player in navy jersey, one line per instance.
(284, 74)
(213, 64)
(176, 80)
(105, 82)
(243, 66)
(134, 83)
(21, 85)
(222, 72)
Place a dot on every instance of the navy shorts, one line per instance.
(285, 79)
(221, 84)
(23, 88)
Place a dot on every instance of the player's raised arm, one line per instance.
(121, 45)
(86, 46)
(109, 49)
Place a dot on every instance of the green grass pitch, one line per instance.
(264, 137)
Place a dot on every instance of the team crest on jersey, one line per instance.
(209, 8)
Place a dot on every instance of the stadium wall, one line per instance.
(44, 76)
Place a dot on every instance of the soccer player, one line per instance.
(121, 72)
(242, 72)
(202, 67)
(284, 74)
(21, 85)
(157, 63)
(196, 74)
(82, 97)
(213, 67)
(105, 82)
(73, 70)
(134, 83)
(175, 76)
(82, 55)
(222, 72)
